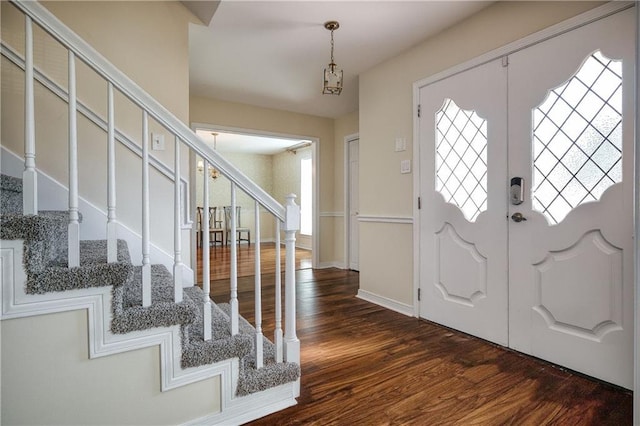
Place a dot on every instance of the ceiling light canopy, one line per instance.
(332, 75)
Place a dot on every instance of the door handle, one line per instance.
(518, 217)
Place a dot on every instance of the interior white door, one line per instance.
(571, 138)
(354, 204)
(463, 172)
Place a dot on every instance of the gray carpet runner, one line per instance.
(45, 260)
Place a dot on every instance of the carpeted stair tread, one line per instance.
(57, 278)
(196, 351)
(222, 346)
(94, 252)
(16, 226)
(10, 194)
(272, 374)
(10, 183)
(129, 314)
(44, 235)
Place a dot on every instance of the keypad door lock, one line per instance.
(516, 194)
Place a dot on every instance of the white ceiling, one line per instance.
(247, 144)
(272, 53)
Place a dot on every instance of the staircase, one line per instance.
(47, 267)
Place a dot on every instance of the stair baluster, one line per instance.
(112, 232)
(146, 262)
(29, 175)
(277, 333)
(177, 226)
(206, 276)
(233, 278)
(258, 291)
(74, 219)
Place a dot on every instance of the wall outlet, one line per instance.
(157, 141)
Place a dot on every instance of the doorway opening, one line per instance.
(281, 164)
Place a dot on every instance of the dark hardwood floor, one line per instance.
(220, 258)
(365, 365)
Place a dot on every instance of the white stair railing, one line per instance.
(258, 290)
(29, 176)
(205, 225)
(112, 225)
(146, 260)
(178, 267)
(74, 217)
(291, 226)
(287, 345)
(233, 301)
(277, 333)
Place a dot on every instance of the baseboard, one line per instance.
(326, 265)
(236, 411)
(385, 302)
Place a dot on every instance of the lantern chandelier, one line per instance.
(332, 75)
(213, 173)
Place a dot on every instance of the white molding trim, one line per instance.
(636, 233)
(331, 214)
(102, 342)
(326, 265)
(386, 219)
(250, 407)
(387, 303)
(528, 41)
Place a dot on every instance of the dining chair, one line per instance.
(216, 232)
(199, 226)
(239, 229)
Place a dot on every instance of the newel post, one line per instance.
(291, 225)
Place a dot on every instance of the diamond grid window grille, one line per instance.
(577, 139)
(461, 159)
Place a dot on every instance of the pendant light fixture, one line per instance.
(332, 75)
(213, 173)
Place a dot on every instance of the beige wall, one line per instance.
(228, 114)
(151, 47)
(386, 102)
(47, 378)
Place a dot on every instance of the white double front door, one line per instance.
(526, 175)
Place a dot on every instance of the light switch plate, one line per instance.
(405, 166)
(401, 144)
(157, 141)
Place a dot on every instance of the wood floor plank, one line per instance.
(365, 365)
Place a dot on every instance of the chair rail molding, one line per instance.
(407, 220)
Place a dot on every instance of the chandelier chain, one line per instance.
(332, 46)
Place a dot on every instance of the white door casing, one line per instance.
(571, 261)
(354, 206)
(463, 262)
(570, 270)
